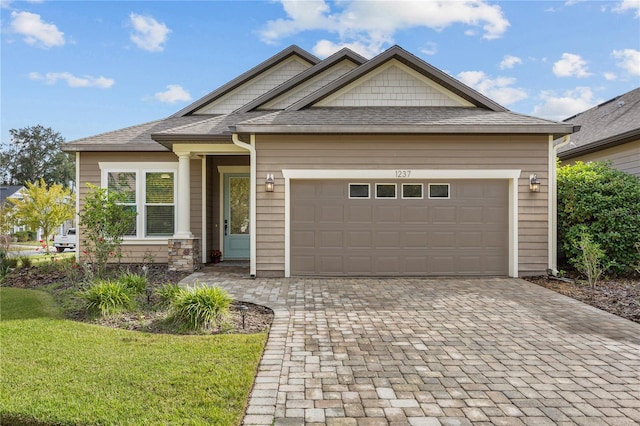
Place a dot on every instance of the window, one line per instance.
(412, 190)
(125, 183)
(439, 190)
(159, 205)
(385, 190)
(358, 190)
(150, 192)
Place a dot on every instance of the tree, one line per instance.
(104, 222)
(44, 207)
(34, 153)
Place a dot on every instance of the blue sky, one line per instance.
(87, 67)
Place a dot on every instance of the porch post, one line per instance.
(183, 229)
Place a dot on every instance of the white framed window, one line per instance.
(412, 191)
(359, 190)
(150, 190)
(439, 191)
(386, 190)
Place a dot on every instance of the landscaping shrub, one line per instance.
(604, 201)
(201, 307)
(25, 262)
(167, 293)
(590, 259)
(134, 282)
(106, 298)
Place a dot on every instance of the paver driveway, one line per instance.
(437, 351)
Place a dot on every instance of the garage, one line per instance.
(399, 227)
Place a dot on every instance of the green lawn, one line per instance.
(56, 371)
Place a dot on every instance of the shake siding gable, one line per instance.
(308, 87)
(256, 87)
(527, 153)
(393, 84)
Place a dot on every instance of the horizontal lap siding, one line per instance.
(624, 157)
(136, 251)
(528, 153)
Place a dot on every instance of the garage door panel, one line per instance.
(331, 214)
(359, 239)
(303, 239)
(387, 240)
(387, 214)
(359, 213)
(442, 215)
(304, 213)
(331, 239)
(466, 234)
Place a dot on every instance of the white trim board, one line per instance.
(512, 175)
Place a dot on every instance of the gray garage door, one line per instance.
(391, 228)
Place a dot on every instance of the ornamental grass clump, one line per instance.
(107, 298)
(134, 282)
(167, 293)
(201, 307)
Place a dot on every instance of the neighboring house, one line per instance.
(7, 192)
(345, 166)
(609, 131)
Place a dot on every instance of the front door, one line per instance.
(236, 244)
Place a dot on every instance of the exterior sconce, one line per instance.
(269, 183)
(534, 183)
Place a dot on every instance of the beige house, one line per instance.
(345, 167)
(608, 132)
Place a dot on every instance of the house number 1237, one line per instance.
(403, 173)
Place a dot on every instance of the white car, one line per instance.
(67, 241)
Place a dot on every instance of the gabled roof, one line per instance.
(245, 77)
(612, 123)
(341, 55)
(412, 61)
(398, 120)
(9, 191)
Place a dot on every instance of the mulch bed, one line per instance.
(619, 297)
(256, 318)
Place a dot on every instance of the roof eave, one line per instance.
(550, 129)
(114, 148)
(609, 142)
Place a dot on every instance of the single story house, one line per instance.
(337, 167)
(608, 132)
(8, 192)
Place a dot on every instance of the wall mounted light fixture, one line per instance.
(534, 183)
(269, 183)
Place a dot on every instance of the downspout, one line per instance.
(252, 197)
(553, 205)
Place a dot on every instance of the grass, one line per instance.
(56, 371)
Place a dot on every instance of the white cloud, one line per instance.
(629, 60)
(35, 31)
(499, 89)
(371, 25)
(571, 102)
(609, 76)
(626, 5)
(509, 61)
(325, 48)
(430, 48)
(72, 80)
(174, 93)
(149, 34)
(571, 65)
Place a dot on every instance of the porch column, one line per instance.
(183, 229)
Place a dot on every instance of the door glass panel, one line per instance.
(239, 205)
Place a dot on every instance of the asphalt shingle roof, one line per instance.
(397, 119)
(613, 121)
(134, 138)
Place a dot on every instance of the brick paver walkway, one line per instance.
(437, 352)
